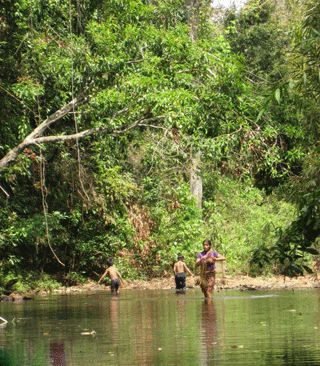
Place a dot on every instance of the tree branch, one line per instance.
(36, 136)
(12, 155)
(92, 131)
(5, 192)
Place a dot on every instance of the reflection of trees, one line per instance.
(129, 329)
(209, 326)
(5, 359)
(143, 338)
(57, 353)
(293, 357)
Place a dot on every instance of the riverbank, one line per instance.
(242, 283)
(238, 282)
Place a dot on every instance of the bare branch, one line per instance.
(5, 192)
(35, 137)
(81, 99)
(183, 71)
(212, 73)
(98, 130)
(13, 154)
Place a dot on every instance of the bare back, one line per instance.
(179, 267)
(113, 273)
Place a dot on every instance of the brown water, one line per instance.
(163, 328)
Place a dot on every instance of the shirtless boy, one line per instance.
(114, 275)
(180, 277)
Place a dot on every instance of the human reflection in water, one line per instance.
(114, 317)
(181, 311)
(57, 353)
(209, 326)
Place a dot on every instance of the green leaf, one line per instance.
(277, 95)
(291, 84)
(296, 268)
(307, 269)
(304, 77)
(311, 250)
(260, 114)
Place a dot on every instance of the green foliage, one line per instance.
(263, 33)
(74, 279)
(306, 52)
(30, 281)
(299, 239)
(290, 256)
(127, 196)
(238, 220)
(179, 228)
(302, 234)
(128, 271)
(296, 244)
(256, 32)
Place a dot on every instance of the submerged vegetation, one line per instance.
(136, 129)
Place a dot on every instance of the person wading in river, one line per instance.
(180, 277)
(206, 260)
(114, 275)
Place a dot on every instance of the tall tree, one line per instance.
(128, 64)
(304, 80)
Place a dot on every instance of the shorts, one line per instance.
(180, 279)
(115, 285)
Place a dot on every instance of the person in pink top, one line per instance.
(206, 260)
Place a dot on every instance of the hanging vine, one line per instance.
(43, 187)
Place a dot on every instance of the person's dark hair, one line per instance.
(110, 262)
(180, 256)
(207, 241)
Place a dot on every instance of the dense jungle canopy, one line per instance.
(137, 128)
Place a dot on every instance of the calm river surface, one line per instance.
(148, 327)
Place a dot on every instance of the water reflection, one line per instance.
(209, 327)
(144, 330)
(57, 353)
(114, 317)
(292, 357)
(181, 308)
(163, 328)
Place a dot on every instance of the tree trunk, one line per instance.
(192, 6)
(196, 180)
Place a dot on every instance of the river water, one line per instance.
(151, 327)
